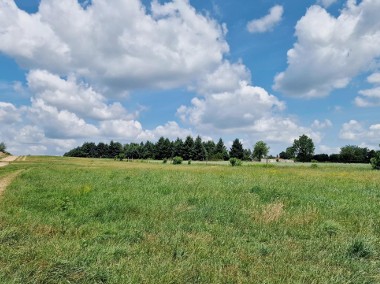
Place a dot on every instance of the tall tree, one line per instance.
(177, 150)
(102, 150)
(200, 153)
(147, 151)
(114, 149)
(260, 150)
(210, 148)
(303, 148)
(188, 148)
(132, 151)
(237, 150)
(247, 155)
(354, 154)
(220, 152)
(163, 149)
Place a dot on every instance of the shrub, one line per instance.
(165, 161)
(177, 160)
(313, 166)
(189, 162)
(235, 162)
(359, 249)
(375, 161)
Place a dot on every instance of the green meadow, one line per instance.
(70, 220)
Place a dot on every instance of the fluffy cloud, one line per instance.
(330, 50)
(282, 129)
(321, 124)
(9, 114)
(267, 22)
(171, 130)
(119, 45)
(124, 129)
(72, 96)
(60, 123)
(355, 131)
(226, 78)
(370, 97)
(231, 110)
(229, 106)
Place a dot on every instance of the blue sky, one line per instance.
(132, 70)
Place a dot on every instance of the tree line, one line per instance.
(302, 150)
(188, 149)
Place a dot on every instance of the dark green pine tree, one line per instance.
(210, 149)
(114, 149)
(147, 151)
(160, 149)
(102, 150)
(237, 150)
(200, 153)
(188, 148)
(177, 150)
(220, 152)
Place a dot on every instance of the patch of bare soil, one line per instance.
(5, 161)
(9, 159)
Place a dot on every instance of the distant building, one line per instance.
(278, 160)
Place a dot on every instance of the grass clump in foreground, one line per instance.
(101, 221)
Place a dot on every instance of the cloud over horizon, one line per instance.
(135, 72)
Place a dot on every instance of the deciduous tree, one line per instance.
(260, 150)
(303, 148)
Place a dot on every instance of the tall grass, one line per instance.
(100, 221)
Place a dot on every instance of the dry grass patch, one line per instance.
(5, 181)
(303, 218)
(271, 212)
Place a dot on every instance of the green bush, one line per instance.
(189, 162)
(359, 249)
(177, 160)
(165, 161)
(313, 166)
(375, 161)
(235, 162)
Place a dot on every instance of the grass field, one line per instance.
(66, 220)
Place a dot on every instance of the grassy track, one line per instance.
(68, 220)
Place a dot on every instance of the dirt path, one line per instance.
(5, 181)
(5, 161)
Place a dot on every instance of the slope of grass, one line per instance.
(100, 221)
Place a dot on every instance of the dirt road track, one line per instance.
(5, 161)
(5, 181)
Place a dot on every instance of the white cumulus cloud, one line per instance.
(370, 97)
(267, 22)
(9, 113)
(330, 50)
(225, 110)
(118, 45)
(321, 124)
(356, 131)
(72, 96)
